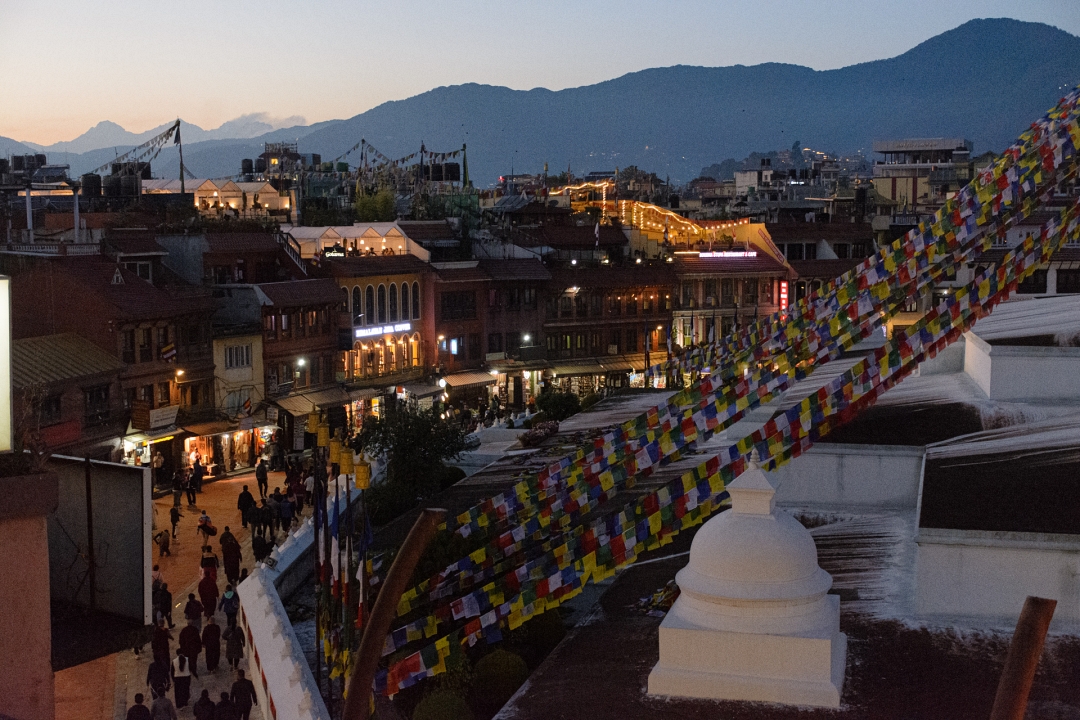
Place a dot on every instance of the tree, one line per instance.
(415, 444)
(380, 207)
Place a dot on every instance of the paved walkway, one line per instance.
(105, 688)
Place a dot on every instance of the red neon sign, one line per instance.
(783, 296)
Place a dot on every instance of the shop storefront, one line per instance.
(470, 390)
(597, 375)
(223, 447)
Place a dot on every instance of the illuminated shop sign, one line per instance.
(382, 330)
(728, 254)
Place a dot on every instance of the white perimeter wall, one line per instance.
(283, 680)
(965, 573)
(1023, 373)
(852, 476)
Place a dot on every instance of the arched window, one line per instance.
(369, 316)
(416, 301)
(357, 307)
(415, 344)
(404, 301)
(345, 300)
(382, 304)
(393, 302)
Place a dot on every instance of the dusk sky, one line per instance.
(68, 65)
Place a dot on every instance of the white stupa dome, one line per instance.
(753, 561)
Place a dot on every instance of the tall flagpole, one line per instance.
(181, 146)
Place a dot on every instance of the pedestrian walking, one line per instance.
(163, 603)
(234, 646)
(163, 709)
(266, 519)
(208, 564)
(197, 473)
(208, 594)
(260, 548)
(157, 462)
(252, 519)
(181, 677)
(288, 505)
(158, 677)
(243, 695)
(309, 487)
(230, 605)
(203, 709)
(211, 642)
(246, 499)
(274, 514)
(262, 477)
(227, 537)
(162, 540)
(177, 487)
(138, 711)
(231, 555)
(225, 709)
(159, 643)
(191, 645)
(174, 518)
(205, 527)
(189, 489)
(156, 578)
(193, 610)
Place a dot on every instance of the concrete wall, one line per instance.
(185, 256)
(26, 675)
(949, 360)
(971, 573)
(123, 520)
(852, 476)
(1023, 373)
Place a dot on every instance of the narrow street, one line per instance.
(105, 688)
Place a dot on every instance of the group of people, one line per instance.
(277, 511)
(169, 671)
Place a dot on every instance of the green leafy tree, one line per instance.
(415, 444)
(380, 207)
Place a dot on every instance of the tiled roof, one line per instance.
(812, 232)
(462, 274)
(823, 269)
(762, 263)
(614, 277)
(133, 297)
(426, 230)
(133, 242)
(515, 269)
(375, 265)
(293, 293)
(240, 242)
(55, 358)
(570, 237)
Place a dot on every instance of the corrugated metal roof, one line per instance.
(515, 269)
(56, 358)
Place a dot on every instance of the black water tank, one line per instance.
(246, 166)
(436, 173)
(4, 168)
(452, 172)
(40, 160)
(111, 185)
(129, 185)
(91, 185)
(673, 202)
(18, 163)
(260, 165)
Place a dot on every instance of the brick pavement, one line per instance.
(75, 700)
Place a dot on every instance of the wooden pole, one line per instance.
(91, 555)
(382, 615)
(1026, 647)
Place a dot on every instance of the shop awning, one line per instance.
(468, 379)
(422, 391)
(215, 427)
(577, 368)
(303, 403)
(138, 436)
(509, 366)
(617, 363)
(363, 394)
